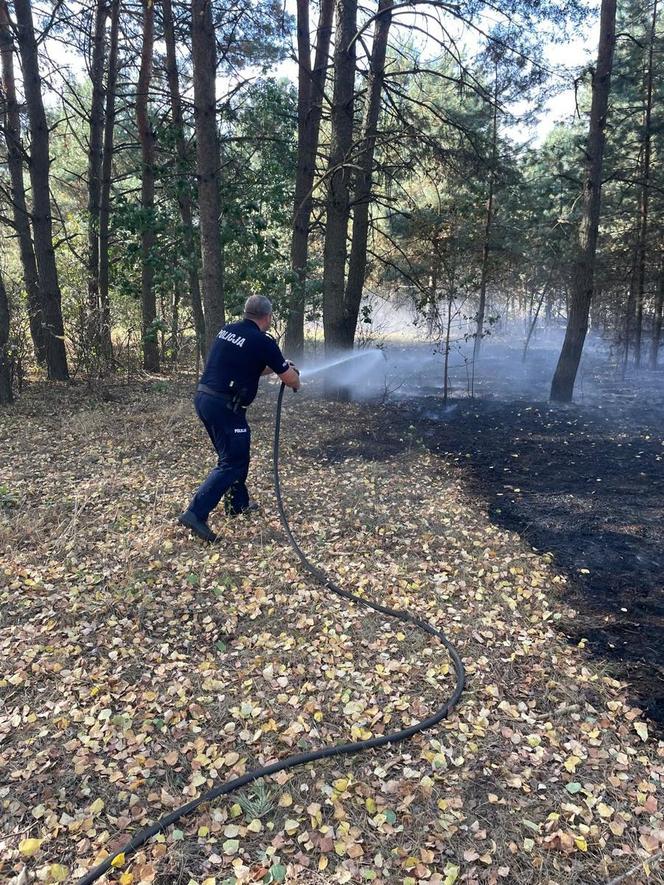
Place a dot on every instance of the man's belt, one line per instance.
(230, 400)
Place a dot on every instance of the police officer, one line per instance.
(241, 353)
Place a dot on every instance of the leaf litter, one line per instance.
(142, 668)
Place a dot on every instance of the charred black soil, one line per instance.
(585, 484)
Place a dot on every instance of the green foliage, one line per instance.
(257, 802)
(8, 499)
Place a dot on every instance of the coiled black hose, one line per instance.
(324, 752)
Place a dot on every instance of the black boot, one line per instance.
(251, 507)
(197, 526)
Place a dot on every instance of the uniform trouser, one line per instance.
(231, 437)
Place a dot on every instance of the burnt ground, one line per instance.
(587, 486)
(583, 482)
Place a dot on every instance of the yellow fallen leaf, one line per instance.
(97, 806)
(57, 873)
(126, 878)
(605, 810)
(451, 874)
(118, 860)
(255, 826)
(29, 847)
(570, 763)
(322, 862)
(370, 805)
(642, 730)
(580, 843)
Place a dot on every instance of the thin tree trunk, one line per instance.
(56, 356)
(357, 264)
(12, 130)
(208, 161)
(311, 89)
(183, 185)
(448, 329)
(562, 386)
(147, 140)
(95, 159)
(106, 177)
(338, 197)
(6, 393)
(644, 194)
(657, 319)
(629, 309)
(533, 323)
(175, 322)
(488, 222)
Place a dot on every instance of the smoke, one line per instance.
(399, 372)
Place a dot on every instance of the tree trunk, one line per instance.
(562, 387)
(488, 222)
(644, 194)
(311, 88)
(629, 309)
(106, 176)
(56, 356)
(357, 264)
(448, 329)
(147, 140)
(175, 322)
(183, 186)
(95, 157)
(6, 393)
(657, 319)
(208, 161)
(339, 175)
(12, 129)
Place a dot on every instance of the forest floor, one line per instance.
(142, 667)
(585, 484)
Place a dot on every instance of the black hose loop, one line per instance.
(324, 752)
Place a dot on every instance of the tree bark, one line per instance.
(95, 159)
(147, 140)
(311, 89)
(106, 177)
(357, 264)
(644, 194)
(488, 223)
(12, 131)
(56, 356)
(183, 186)
(6, 393)
(657, 319)
(562, 386)
(338, 195)
(208, 161)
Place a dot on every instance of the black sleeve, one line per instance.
(274, 358)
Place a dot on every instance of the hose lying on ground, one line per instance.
(324, 752)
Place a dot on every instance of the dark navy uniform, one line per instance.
(228, 385)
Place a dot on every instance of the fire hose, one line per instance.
(323, 752)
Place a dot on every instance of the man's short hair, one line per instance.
(257, 307)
